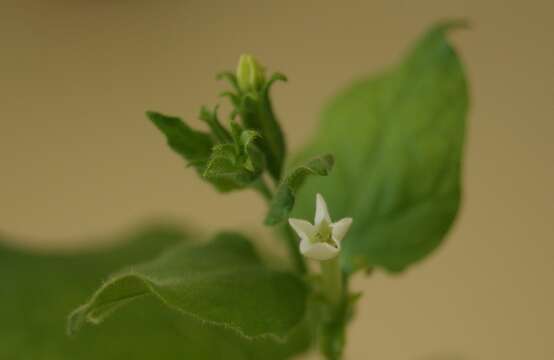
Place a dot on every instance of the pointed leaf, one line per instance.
(211, 118)
(194, 146)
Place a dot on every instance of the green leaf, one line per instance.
(222, 283)
(194, 146)
(39, 290)
(283, 201)
(257, 113)
(218, 130)
(230, 77)
(255, 159)
(223, 168)
(235, 165)
(398, 142)
(226, 167)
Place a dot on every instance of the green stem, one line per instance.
(335, 312)
(331, 276)
(290, 238)
(260, 186)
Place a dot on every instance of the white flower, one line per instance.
(320, 241)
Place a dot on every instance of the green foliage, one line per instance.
(397, 139)
(229, 160)
(39, 290)
(235, 165)
(253, 105)
(220, 133)
(283, 201)
(194, 146)
(223, 283)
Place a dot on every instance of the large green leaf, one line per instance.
(39, 290)
(223, 283)
(397, 139)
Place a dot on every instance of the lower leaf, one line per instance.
(223, 283)
(38, 291)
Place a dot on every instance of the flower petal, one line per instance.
(340, 228)
(303, 228)
(321, 212)
(318, 251)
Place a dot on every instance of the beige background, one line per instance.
(78, 157)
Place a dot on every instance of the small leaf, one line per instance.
(235, 165)
(224, 169)
(255, 161)
(218, 130)
(230, 77)
(234, 98)
(398, 140)
(283, 201)
(218, 164)
(275, 77)
(256, 112)
(194, 146)
(223, 283)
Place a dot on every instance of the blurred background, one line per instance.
(79, 158)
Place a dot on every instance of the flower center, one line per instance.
(323, 235)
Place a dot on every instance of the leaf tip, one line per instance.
(155, 117)
(151, 114)
(452, 24)
(75, 321)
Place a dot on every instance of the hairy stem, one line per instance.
(331, 276)
(261, 187)
(335, 312)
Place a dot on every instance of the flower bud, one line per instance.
(250, 74)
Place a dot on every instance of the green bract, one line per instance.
(397, 139)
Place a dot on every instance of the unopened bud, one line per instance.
(250, 74)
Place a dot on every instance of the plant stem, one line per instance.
(331, 276)
(335, 312)
(260, 186)
(292, 243)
